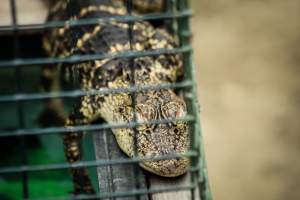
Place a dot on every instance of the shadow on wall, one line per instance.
(247, 58)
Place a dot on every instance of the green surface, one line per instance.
(45, 149)
(48, 183)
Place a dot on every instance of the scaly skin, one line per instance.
(111, 38)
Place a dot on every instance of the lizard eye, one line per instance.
(173, 110)
(145, 112)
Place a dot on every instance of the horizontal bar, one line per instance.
(79, 93)
(186, 33)
(93, 163)
(55, 130)
(93, 21)
(136, 192)
(82, 58)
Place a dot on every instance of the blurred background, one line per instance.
(248, 62)
(247, 57)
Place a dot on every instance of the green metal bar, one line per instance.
(205, 191)
(176, 32)
(56, 130)
(79, 93)
(93, 163)
(20, 105)
(203, 179)
(136, 172)
(204, 188)
(81, 58)
(93, 21)
(124, 194)
(183, 26)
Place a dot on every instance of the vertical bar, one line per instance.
(172, 9)
(20, 111)
(129, 7)
(180, 26)
(200, 163)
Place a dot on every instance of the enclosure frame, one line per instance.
(180, 16)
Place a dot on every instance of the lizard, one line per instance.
(113, 37)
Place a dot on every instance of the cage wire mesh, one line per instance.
(32, 163)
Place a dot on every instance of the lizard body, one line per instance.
(111, 38)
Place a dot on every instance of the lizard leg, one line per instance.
(53, 113)
(72, 146)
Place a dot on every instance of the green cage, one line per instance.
(33, 165)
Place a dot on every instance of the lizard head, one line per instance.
(152, 140)
(155, 140)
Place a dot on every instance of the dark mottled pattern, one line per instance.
(112, 38)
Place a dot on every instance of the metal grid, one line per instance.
(179, 15)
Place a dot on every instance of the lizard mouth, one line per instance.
(167, 168)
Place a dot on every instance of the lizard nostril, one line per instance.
(175, 130)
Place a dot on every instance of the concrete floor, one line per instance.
(247, 58)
